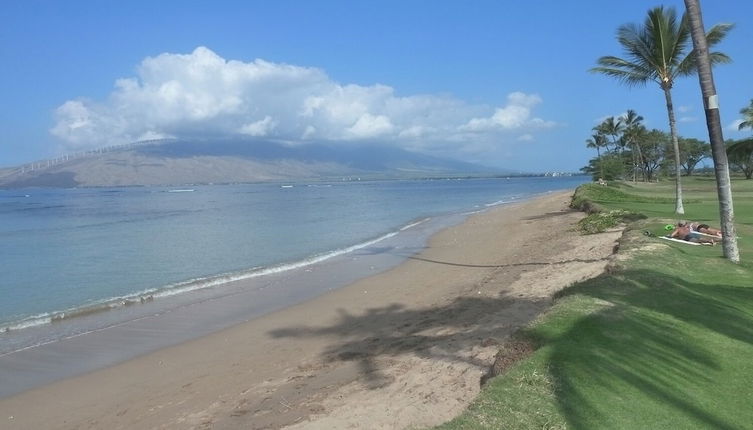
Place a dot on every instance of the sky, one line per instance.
(501, 83)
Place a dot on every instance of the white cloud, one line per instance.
(688, 119)
(259, 128)
(368, 126)
(526, 138)
(515, 115)
(684, 108)
(201, 93)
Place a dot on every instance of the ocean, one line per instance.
(74, 261)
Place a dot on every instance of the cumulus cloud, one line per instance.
(515, 115)
(203, 94)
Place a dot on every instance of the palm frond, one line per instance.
(625, 71)
(748, 110)
(636, 44)
(658, 49)
(717, 33)
(682, 40)
(625, 76)
(689, 64)
(632, 119)
(719, 58)
(670, 40)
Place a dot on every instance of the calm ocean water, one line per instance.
(73, 252)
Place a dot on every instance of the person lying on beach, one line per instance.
(705, 229)
(684, 231)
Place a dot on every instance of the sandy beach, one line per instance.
(402, 349)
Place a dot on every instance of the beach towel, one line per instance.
(682, 241)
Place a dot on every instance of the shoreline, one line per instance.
(184, 317)
(55, 324)
(423, 326)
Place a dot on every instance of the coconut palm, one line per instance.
(747, 113)
(658, 51)
(704, 60)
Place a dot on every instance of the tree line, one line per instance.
(627, 150)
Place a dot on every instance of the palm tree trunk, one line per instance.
(718, 151)
(601, 168)
(635, 168)
(640, 160)
(679, 209)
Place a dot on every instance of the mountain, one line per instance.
(176, 162)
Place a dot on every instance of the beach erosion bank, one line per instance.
(402, 348)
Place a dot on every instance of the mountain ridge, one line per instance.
(182, 162)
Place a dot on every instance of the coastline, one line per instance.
(405, 347)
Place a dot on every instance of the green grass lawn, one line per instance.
(663, 341)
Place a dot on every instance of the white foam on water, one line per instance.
(187, 286)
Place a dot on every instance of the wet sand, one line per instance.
(404, 348)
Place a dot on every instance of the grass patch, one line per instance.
(663, 342)
(601, 221)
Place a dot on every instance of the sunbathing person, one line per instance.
(705, 229)
(684, 231)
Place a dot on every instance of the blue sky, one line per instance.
(498, 82)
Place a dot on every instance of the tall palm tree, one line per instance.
(701, 43)
(747, 113)
(658, 51)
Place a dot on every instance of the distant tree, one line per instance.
(597, 141)
(692, 151)
(608, 167)
(630, 135)
(653, 147)
(613, 128)
(740, 154)
(658, 51)
(747, 113)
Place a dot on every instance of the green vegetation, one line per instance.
(664, 339)
(601, 221)
(740, 155)
(659, 51)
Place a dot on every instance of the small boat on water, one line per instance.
(286, 186)
(187, 190)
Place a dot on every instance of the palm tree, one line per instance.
(657, 51)
(611, 127)
(632, 129)
(703, 62)
(747, 113)
(597, 141)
